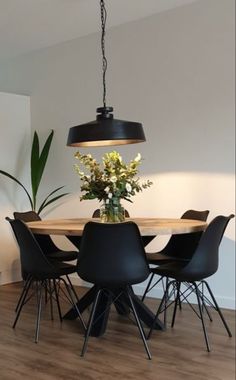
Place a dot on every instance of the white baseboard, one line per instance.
(224, 302)
(9, 276)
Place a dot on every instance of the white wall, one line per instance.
(174, 72)
(15, 136)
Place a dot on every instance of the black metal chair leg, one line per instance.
(50, 298)
(139, 325)
(69, 291)
(57, 299)
(90, 323)
(166, 300)
(218, 309)
(204, 306)
(201, 315)
(39, 299)
(72, 288)
(22, 293)
(147, 287)
(159, 309)
(46, 292)
(176, 304)
(21, 304)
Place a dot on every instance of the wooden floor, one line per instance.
(178, 353)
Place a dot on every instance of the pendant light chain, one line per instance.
(104, 60)
(105, 130)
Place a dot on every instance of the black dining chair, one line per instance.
(113, 258)
(179, 248)
(42, 272)
(47, 245)
(203, 264)
(45, 241)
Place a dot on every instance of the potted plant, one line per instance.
(37, 165)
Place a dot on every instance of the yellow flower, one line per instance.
(113, 179)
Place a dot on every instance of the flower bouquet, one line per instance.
(110, 182)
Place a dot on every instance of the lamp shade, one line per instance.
(105, 130)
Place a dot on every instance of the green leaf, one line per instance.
(34, 165)
(37, 165)
(48, 196)
(51, 201)
(38, 162)
(19, 183)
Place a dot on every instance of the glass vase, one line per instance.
(112, 211)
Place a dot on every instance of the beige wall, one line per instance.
(174, 72)
(14, 151)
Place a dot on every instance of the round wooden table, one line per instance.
(149, 229)
(147, 226)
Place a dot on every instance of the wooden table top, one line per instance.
(147, 226)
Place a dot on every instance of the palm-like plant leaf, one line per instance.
(34, 165)
(38, 162)
(19, 183)
(51, 201)
(42, 206)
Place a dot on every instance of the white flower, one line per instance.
(107, 189)
(110, 195)
(113, 179)
(128, 187)
(107, 201)
(138, 157)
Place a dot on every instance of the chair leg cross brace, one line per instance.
(193, 287)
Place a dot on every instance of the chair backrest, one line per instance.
(112, 254)
(96, 213)
(195, 215)
(33, 260)
(205, 260)
(27, 216)
(183, 246)
(45, 241)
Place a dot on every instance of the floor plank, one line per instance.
(178, 353)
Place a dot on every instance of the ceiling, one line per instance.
(27, 25)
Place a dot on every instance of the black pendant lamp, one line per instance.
(105, 130)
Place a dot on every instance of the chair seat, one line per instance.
(158, 258)
(176, 270)
(58, 270)
(63, 255)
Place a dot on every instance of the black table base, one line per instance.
(103, 309)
